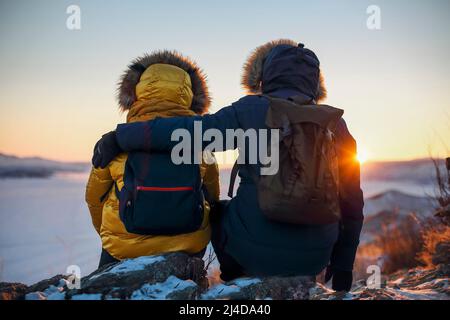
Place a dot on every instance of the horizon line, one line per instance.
(375, 160)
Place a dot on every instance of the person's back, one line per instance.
(156, 85)
(264, 247)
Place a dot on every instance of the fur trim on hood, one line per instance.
(253, 68)
(127, 84)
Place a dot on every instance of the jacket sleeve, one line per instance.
(99, 183)
(156, 135)
(351, 201)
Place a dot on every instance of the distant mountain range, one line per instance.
(392, 208)
(419, 171)
(400, 203)
(35, 167)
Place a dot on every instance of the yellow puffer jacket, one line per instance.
(163, 90)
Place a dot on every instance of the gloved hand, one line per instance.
(105, 150)
(342, 280)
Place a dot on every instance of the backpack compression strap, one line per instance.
(234, 172)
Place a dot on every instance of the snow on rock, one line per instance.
(272, 288)
(35, 296)
(229, 290)
(131, 265)
(221, 291)
(85, 296)
(172, 288)
(181, 277)
(243, 282)
(172, 276)
(53, 292)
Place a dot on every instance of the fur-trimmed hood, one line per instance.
(283, 64)
(127, 85)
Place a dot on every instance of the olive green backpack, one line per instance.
(305, 189)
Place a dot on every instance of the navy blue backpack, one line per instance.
(160, 197)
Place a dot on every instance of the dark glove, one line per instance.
(342, 280)
(105, 150)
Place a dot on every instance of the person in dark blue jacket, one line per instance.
(245, 241)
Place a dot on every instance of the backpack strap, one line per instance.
(236, 166)
(233, 175)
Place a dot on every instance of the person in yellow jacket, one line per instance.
(161, 84)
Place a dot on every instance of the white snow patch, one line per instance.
(319, 289)
(160, 291)
(244, 282)
(87, 296)
(408, 294)
(131, 265)
(398, 281)
(425, 291)
(35, 296)
(439, 282)
(57, 296)
(51, 293)
(222, 291)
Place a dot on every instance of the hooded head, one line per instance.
(284, 65)
(165, 74)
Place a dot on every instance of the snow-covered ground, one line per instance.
(45, 225)
(44, 228)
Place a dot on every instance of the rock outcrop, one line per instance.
(12, 291)
(272, 288)
(172, 276)
(177, 274)
(180, 277)
(414, 284)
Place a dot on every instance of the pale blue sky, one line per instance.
(57, 87)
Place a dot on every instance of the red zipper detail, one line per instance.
(173, 189)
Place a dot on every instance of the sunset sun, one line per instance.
(362, 156)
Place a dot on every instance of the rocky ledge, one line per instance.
(173, 276)
(180, 277)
